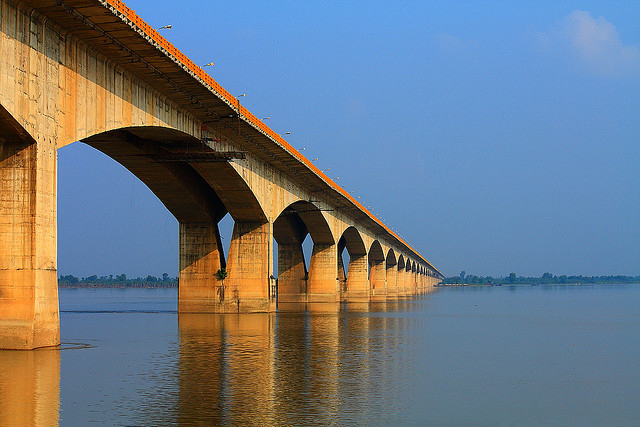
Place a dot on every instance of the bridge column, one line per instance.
(378, 281)
(289, 232)
(199, 290)
(28, 271)
(392, 282)
(357, 282)
(402, 282)
(248, 285)
(292, 276)
(322, 285)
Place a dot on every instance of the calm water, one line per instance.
(545, 355)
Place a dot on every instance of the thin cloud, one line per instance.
(594, 43)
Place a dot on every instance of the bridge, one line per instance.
(94, 71)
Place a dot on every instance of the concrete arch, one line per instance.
(413, 282)
(352, 240)
(377, 272)
(355, 286)
(313, 219)
(391, 259)
(176, 184)
(295, 278)
(391, 274)
(401, 263)
(375, 252)
(177, 168)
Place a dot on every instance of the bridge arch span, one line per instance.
(296, 280)
(199, 192)
(377, 272)
(355, 286)
(402, 270)
(391, 263)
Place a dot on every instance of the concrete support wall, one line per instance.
(323, 283)
(250, 267)
(292, 274)
(28, 268)
(378, 281)
(357, 280)
(201, 257)
(392, 282)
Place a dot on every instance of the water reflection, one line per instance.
(29, 387)
(289, 368)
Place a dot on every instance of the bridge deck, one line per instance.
(117, 32)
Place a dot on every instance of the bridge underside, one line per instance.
(91, 71)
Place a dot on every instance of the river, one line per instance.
(520, 355)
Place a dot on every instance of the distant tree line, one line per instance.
(118, 281)
(545, 279)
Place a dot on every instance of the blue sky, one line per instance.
(494, 136)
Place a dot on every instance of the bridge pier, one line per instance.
(357, 289)
(289, 232)
(392, 281)
(378, 281)
(323, 292)
(292, 276)
(200, 291)
(249, 267)
(246, 287)
(28, 271)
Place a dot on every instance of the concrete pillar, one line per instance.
(357, 281)
(342, 276)
(28, 266)
(249, 268)
(292, 275)
(378, 281)
(399, 281)
(405, 282)
(201, 256)
(392, 282)
(322, 285)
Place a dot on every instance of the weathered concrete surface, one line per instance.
(99, 74)
(28, 281)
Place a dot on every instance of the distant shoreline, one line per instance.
(534, 284)
(116, 286)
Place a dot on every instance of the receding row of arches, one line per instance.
(328, 267)
(199, 190)
(239, 276)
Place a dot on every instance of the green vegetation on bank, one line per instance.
(119, 281)
(545, 279)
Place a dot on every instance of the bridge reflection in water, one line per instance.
(29, 387)
(251, 369)
(289, 368)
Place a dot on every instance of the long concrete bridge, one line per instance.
(94, 71)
